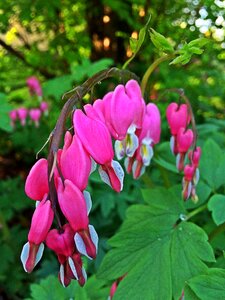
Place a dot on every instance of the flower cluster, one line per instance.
(22, 114)
(182, 140)
(122, 116)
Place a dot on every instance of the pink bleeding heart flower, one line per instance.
(41, 222)
(36, 185)
(194, 156)
(133, 91)
(35, 114)
(75, 163)
(73, 205)
(123, 124)
(122, 112)
(22, 115)
(189, 172)
(148, 136)
(184, 140)
(177, 117)
(13, 117)
(95, 111)
(44, 107)
(62, 243)
(72, 268)
(96, 139)
(34, 86)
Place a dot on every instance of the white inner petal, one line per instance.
(94, 236)
(119, 149)
(39, 254)
(131, 129)
(104, 176)
(80, 245)
(88, 201)
(146, 154)
(61, 274)
(24, 255)
(93, 165)
(172, 144)
(72, 267)
(132, 144)
(119, 172)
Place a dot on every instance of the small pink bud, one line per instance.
(185, 139)
(177, 117)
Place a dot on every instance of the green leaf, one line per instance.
(217, 206)
(200, 42)
(209, 286)
(160, 42)
(149, 243)
(50, 288)
(4, 113)
(133, 44)
(212, 164)
(136, 46)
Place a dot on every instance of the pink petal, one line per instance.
(41, 222)
(122, 112)
(76, 163)
(36, 185)
(94, 136)
(73, 205)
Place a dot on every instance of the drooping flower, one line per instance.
(35, 114)
(13, 117)
(75, 163)
(148, 136)
(22, 115)
(44, 107)
(185, 139)
(34, 86)
(191, 175)
(40, 225)
(73, 205)
(177, 117)
(96, 139)
(62, 243)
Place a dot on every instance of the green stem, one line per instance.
(216, 231)
(196, 211)
(151, 68)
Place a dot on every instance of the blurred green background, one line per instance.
(62, 43)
